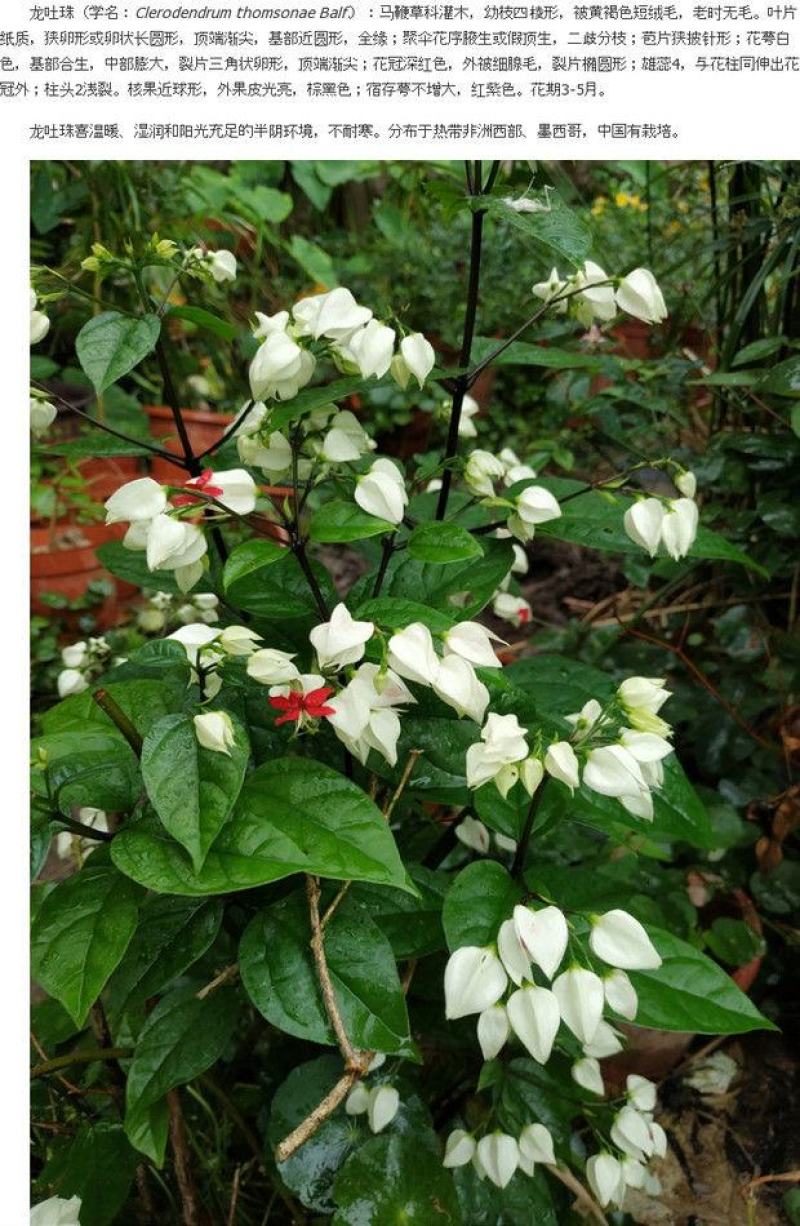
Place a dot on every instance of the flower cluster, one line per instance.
(206, 646)
(159, 611)
(595, 296)
(671, 522)
(497, 1156)
(82, 662)
(379, 1103)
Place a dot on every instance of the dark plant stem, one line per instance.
(101, 425)
(86, 832)
(84, 1056)
(388, 550)
(118, 717)
(520, 855)
(183, 1168)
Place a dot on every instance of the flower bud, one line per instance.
(586, 1073)
(75, 655)
(639, 295)
(474, 979)
(604, 1176)
(221, 265)
(382, 1107)
(644, 522)
(381, 492)
(473, 642)
(481, 471)
(620, 940)
(70, 681)
(341, 640)
(536, 1144)
(579, 993)
(543, 934)
(418, 355)
(412, 654)
(238, 640)
(680, 527)
(686, 482)
(535, 1017)
(560, 762)
(43, 414)
(535, 505)
(620, 994)
(499, 1157)
(531, 772)
(272, 667)
(214, 731)
(513, 609)
(459, 1148)
(473, 834)
(493, 1030)
(641, 1092)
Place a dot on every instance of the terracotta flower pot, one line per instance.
(203, 428)
(63, 561)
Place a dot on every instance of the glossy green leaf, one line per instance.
(80, 933)
(393, 1180)
(558, 232)
(98, 1165)
(481, 897)
(279, 974)
(293, 815)
(314, 398)
(441, 543)
(345, 521)
(395, 613)
(313, 260)
(205, 320)
(783, 379)
(90, 767)
(265, 578)
(530, 1092)
(110, 345)
(691, 993)
(192, 789)
(144, 701)
(461, 589)
(413, 926)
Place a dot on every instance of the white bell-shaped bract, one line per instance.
(238, 490)
(40, 324)
(371, 349)
(493, 1031)
(214, 731)
(278, 363)
(382, 492)
(346, 439)
(459, 1148)
(341, 640)
(643, 693)
(473, 642)
(238, 640)
(474, 979)
(658, 1138)
(587, 719)
(645, 746)
(513, 609)
(513, 953)
(605, 1042)
(457, 684)
(630, 1132)
(499, 1157)
(473, 834)
(586, 1073)
(194, 637)
(686, 483)
(535, 505)
(536, 1144)
(76, 654)
(638, 294)
(495, 756)
(620, 940)
(481, 471)
(221, 265)
(550, 289)
(612, 770)
(335, 315)
(357, 1100)
(680, 527)
(363, 718)
(267, 324)
(42, 416)
(535, 1016)
(382, 1107)
(412, 654)
(274, 456)
(641, 1092)
(643, 522)
(543, 934)
(596, 300)
(620, 994)
(135, 501)
(579, 993)
(466, 426)
(71, 681)
(272, 667)
(604, 1176)
(57, 1211)
(418, 355)
(560, 762)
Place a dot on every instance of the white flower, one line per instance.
(418, 355)
(362, 716)
(459, 1148)
(466, 426)
(280, 368)
(612, 770)
(194, 638)
(620, 940)
(535, 1017)
(382, 492)
(643, 522)
(630, 1132)
(274, 458)
(585, 720)
(550, 289)
(473, 642)
(493, 1030)
(513, 953)
(481, 471)
(267, 324)
(473, 834)
(371, 349)
(560, 762)
(634, 1172)
(495, 756)
(346, 439)
(412, 654)
(604, 1176)
(335, 315)
(659, 1138)
(642, 698)
(586, 1073)
(214, 730)
(221, 265)
(579, 993)
(639, 295)
(70, 681)
(382, 1107)
(499, 1157)
(57, 1212)
(513, 609)
(535, 1145)
(235, 489)
(680, 527)
(520, 565)
(205, 601)
(544, 935)
(605, 1042)
(136, 501)
(596, 301)
(238, 640)
(174, 544)
(535, 505)
(620, 994)
(519, 472)
(646, 747)
(75, 655)
(341, 640)
(474, 979)
(42, 416)
(457, 685)
(357, 1100)
(40, 324)
(641, 1092)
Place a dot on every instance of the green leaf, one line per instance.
(756, 351)
(413, 926)
(294, 815)
(480, 898)
(530, 1092)
(395, 613)
(339, 522)
(79, 935)
(556, 229)
(733, 941)
(311, 1171)
(206, 320)
(161, 659)
(110, 345)
(181, 1038)
(144, 702)
(279, 974)
(783, 379)
(147, 1131)
(192, 789)
(132, 568)
(172, 933)
(314, 398)
(523, 1200)
(442, 543)
(313, 260)
(520, 353)
(98, 1165)
(393, 1180)
(460, 589)
(691, 993)
(266, 579)
(90, 768)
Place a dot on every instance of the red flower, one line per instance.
(524, 616)
(295, 705)
(203, 482)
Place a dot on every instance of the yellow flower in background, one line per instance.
(621, 200)
(599, 206)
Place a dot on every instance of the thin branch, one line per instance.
(120, 719)
(87, 1055)
(411, 762)
(582, 1194)
(521, 853)
(85, 832)
(225, 976)
(229, 433)
(349, 1054)
(183, 1169)
(313, 1122)
(388, 550)
(101, 425)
